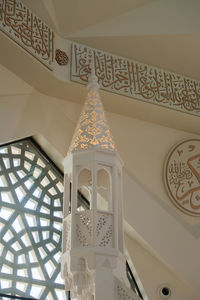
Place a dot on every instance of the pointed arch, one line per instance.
(84, 180)
(104, 201)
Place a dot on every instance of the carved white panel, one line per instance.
(104, 229)
(83, 228)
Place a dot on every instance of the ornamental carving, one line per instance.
(92, 130)
(27, 30)
(182, 176)
(83, 228)
(136, 80)
(104, 230)
(61, 57)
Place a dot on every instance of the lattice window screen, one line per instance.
(30, 223)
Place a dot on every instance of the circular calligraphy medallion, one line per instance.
(182, 176)
(61, 57)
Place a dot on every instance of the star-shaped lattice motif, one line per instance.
(30, 223)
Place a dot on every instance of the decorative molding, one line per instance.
(61, 57)
(182, 176)
(136, 80)
(27, 30)
(83, 285)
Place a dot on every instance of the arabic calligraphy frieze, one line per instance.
(182, 176)
(27, 30)
(136, 80)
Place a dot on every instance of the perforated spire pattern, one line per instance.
(92, 130)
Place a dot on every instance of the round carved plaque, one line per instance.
(61, 57)
(182, 176)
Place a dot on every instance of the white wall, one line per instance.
(154, 274)
(143, 147)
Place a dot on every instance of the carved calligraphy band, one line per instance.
(116, 74)
(27, 30)
(136, 80)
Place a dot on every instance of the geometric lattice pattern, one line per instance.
(31, 193)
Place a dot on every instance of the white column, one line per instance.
(115, 199)
(73, 206)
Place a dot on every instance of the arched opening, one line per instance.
(103, 190)
(84, 188)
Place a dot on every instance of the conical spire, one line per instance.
(92, 130)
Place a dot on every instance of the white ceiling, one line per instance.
(69, 17)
